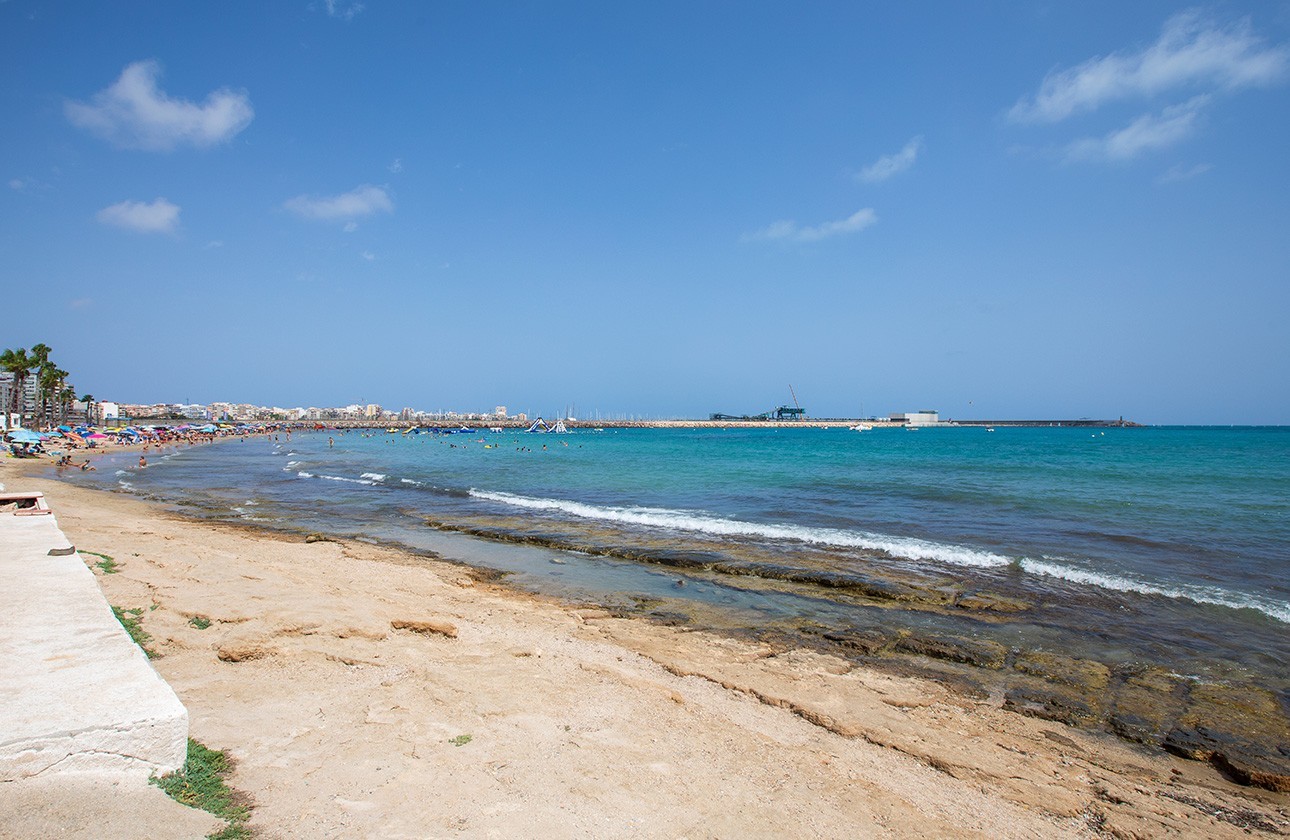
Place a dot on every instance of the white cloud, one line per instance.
(369, 256)
(360, 201)
(213, 244)
(27, 185)
(889, 165)
(132, 113)
(1148, 132)
(1191, 51)
(397, 166)
(793, 232)
(158, 217)
(344, 11)
(1183, 173)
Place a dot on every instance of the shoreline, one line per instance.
(292, 617)
(990, 632)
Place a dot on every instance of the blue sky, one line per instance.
(660, 209)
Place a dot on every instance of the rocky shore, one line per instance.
(1237, 723)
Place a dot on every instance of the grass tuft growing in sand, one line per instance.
(200, 784)
(106, 564)
(129, 619)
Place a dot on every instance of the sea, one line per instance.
(1168, 545)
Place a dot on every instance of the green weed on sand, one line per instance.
(130, 621)
(200, 784)
(106, 564)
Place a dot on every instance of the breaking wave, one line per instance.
(702, 523)
(1122, 583)
(905, 547)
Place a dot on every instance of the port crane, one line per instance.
(783, 412)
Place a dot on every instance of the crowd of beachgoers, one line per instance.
(65, 443)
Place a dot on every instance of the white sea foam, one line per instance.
(304, 474)
(374, 476)
(1052, 567)
(703, 523)
(410, 481)
(291, 465)
(348, 480)
(121, 472)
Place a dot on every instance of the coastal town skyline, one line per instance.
(666, 210)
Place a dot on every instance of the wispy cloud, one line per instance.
(889, 165)
(369, 256)
(133, 113)
(27, 185)
(1183, 173)
(343, 11)
(1191, 51)
(358, 202)
(1147, 133)
(160, 216)
(396, 166)
(791, 231)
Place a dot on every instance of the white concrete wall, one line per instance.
(76, 694)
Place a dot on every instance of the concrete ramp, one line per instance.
(76, 694)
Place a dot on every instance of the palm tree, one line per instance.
(46, 388)
(20, 365)
(57, 401)
(66, 397)
(44, 381)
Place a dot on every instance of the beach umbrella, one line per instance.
(96, 436)
(64, 428)
(23, 436)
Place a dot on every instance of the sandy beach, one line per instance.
(366, 692)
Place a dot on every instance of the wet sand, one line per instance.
(363, 691)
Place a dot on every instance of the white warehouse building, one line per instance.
(917, 418)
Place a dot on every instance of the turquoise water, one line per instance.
(1176, 536)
